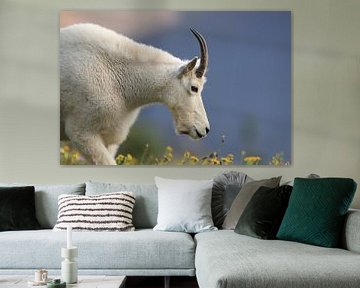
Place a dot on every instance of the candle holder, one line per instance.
(68, 265)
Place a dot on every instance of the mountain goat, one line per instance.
(105, 79)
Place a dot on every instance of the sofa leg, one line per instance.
(167, 282)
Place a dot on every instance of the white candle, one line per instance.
(69, 237)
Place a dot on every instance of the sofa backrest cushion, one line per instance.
(350, 238)
(146, 204)
(46, 200)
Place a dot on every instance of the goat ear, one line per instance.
(188, 67)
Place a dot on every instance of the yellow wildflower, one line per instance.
(194, 159)
(216, 162)
(75, 155)
(66, 148)
(120, 157)
(252, 160)
(228, 159)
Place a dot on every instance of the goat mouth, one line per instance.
(193, 133)
(184, 132)
(199, 134)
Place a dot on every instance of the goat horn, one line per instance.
(204, 54)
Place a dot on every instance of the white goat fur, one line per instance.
(105, 78)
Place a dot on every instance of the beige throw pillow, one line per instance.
(243, 198)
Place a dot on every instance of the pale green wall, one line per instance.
(326, 91)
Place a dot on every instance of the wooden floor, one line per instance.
(158, 282)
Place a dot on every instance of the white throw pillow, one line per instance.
(184, 205)
(105, 212)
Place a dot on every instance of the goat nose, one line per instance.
(207, 129)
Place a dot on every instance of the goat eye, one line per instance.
(194, 89)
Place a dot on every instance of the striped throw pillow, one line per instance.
(105, 212)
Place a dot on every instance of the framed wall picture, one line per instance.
(175, 88)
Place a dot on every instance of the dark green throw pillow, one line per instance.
(263, 214)
(17, 208)
(316, 211)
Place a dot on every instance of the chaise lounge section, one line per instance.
(226, 259)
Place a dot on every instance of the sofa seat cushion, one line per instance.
(226, 259)
(142, 249)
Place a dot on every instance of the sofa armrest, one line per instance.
(351, 233)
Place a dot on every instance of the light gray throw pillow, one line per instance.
(243, 198)
(184, 205)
